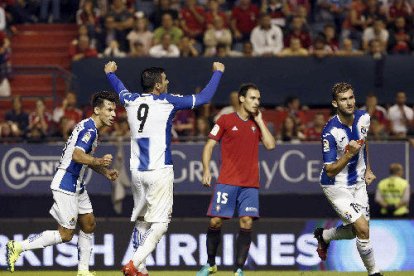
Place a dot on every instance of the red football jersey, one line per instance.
(239, 150)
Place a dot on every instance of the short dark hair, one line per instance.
(99, 97)
(340, 87)
(245, 87)
(151, 76)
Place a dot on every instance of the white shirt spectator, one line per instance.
(159, 51)
(397, 120)
(369, 35)
(267, 41)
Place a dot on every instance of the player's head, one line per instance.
(154, 80)
(343, 98)
(104, 104)
(249, 98)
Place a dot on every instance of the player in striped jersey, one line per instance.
(72, 204)
(150, 115)
(345, 174)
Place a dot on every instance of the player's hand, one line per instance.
(206, 178)
(105, 161)
(369, 176)
(353, 147)
(112, 174)
(258, 117)
(218, 66)
(110, 67)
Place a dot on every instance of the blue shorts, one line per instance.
(227, 199)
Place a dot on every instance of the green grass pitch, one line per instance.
(220, 273)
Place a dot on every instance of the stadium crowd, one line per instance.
(244, 28)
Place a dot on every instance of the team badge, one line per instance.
(218, 208)
(364, 130)
(348, 216)
(86, 137)
(253, 128)
(325, 145)
(72, 222)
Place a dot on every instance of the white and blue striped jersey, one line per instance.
(70, 175)
(335, 138)
(150, 120)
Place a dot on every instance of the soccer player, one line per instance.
(150, 115)
(345, 174)
(237, 187)
(72, 204)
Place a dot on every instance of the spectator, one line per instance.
(202, 129)
(378, 114)
(88, 15)
(214, 11)
(82, 49)
(67, 115)
(187, 47)
(243, 20)
(298, 31)
(401, 38)
(289, 131)
(165, 49)
(192, 19)
(113, 50)
(329, 33)
(319, 48)
(141, 34)
(393, 193)
(313, 133)
(167, 26)
(184, 123)
(348, 49)
(5, 65)
(376, 49)
(234, 105)
(331, 12)
(216, 34)
(247, 49)
(17, 118)
(295, 49)
(44, 11)
(278, 10)
(401, 116)
(123, 22)
(137, 50)
(399, 8)
(39, 121)
(164, 7)
(355, 23)
(267, 39)
(377, 31)
(373, 11)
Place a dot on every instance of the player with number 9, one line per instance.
(150, 115)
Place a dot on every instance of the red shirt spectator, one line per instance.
(81, 49)
(213, 11)
(244, 19)
(192, 19)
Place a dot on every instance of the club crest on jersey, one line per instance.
(86, 137)
(253, 128)
(364, 130)
(218, 208)
(348, 216)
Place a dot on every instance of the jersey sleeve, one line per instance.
(328, 148)
(123, 93)
(180, 101)
(85, 140)
(218, 130)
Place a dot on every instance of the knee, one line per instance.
(246, 222)
(216, 222)
(362, 231)
(89, 227)
(66, 235)
(159, 229)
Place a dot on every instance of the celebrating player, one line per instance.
(72, 203)
(237, 187)
(345, 174)
(150, 117)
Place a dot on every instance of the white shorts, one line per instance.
(153, 194)
(350, 202)
(67, 207)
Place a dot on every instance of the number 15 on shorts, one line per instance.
(222, 198)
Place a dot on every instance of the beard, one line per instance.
(345, 113)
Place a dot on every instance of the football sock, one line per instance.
(212, 242)
(149, 242)
(367, 255)
(42, 240)
(242, 247)
(141, 228)
(84, 250)
(338, 233)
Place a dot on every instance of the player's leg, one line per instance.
(64, 210)
(247, 208)
(159, 198)
(341, 199)
(222, 206)
(361, 228)
(140, 231)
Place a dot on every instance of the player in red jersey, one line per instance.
(237, 187)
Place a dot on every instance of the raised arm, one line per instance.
(208, 92)
(116, 83)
